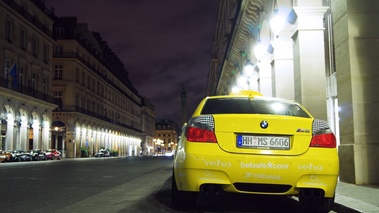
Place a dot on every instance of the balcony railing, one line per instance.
(72, 108)
(16, 7)
(15, 86)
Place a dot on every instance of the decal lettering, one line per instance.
(262, 176)
(268, 165)
(267, 177)
(310, 167)
(217, 163)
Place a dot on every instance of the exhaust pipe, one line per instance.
(205, 188)
(311, 193)
(213, 189)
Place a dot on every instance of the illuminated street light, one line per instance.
(249, 69)
(276, 24)
(277, 21)
(260, 50)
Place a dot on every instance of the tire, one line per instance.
(181, 199)
(316, 204)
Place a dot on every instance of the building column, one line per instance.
(45, 130)
(69, 143)
(283, 73)
(356, 51)
(36, 135)
(309, 59)
(24, 137)
(265, 78)
(10, 133)
(78, 133)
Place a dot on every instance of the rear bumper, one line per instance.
(245, 173)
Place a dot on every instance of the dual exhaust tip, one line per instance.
(213, 189)
(312, 193)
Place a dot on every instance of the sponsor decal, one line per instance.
(262, 176)
(267, 177)
(310, 167)
(268, 165)
(217, 163)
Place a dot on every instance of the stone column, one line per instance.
(356, 51)
(309, 59)
(24, 137)
(36, 135)
(283, 77)
(10, 133)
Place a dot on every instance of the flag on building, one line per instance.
(13, 73)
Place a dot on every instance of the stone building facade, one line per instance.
(166, 136)
(98, 107)
(26, 44)
(62, 87)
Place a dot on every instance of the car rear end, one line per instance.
(256, 145)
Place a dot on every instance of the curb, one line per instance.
(344, 209)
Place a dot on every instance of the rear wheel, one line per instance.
(315, 202)
(181, 199)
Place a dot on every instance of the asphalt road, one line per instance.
(125, 184)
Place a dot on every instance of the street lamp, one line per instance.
(277, 21)
(158, 143)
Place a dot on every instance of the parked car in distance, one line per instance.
(37, 154)
(20, 155)
(48, 154)
(252, 144)
(103, 153)
(55, 154)
(5, 156)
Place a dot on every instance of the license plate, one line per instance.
(263, 142)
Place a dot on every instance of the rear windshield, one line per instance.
(258, 105)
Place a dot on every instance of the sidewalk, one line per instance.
(351, 198)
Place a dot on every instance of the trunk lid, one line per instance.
(248, 134)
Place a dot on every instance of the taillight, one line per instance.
(201, 129)
(200, 135)
(324, 139)
(322, 135)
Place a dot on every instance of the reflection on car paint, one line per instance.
(315, 183)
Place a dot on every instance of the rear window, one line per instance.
(258, 105)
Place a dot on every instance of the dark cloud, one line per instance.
(165, 45)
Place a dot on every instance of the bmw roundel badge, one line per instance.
(264, 124)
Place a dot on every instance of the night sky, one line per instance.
(165, 45)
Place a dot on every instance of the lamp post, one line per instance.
(157, 145)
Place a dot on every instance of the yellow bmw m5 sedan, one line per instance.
(248, 143)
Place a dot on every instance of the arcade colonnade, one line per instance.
(26, 128)
(94, 137)
(81, 132)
